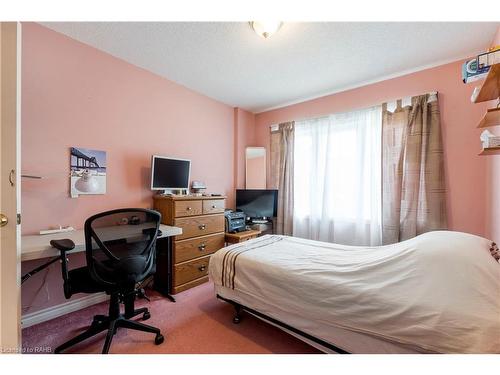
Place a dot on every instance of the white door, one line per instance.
(10, 256)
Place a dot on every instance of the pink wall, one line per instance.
(255, 173)
(465, 171)
(244, 136)
(496, 39)
(493, 177)
(75, 95)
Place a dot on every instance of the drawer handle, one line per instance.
(202, 247)
(188, 208)
(202, 268)
(214, 206)
(202, 226)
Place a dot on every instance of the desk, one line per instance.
(38, 247)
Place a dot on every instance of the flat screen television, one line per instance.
(257, 204)
(169, 174)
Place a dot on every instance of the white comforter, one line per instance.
(439, 291)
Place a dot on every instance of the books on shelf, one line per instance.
(478, 67)
(476, 77)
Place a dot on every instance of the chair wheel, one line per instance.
(159, 339)
(146, 315)
(236, 319)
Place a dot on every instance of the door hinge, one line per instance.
(18, 219)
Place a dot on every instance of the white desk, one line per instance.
(38, 246)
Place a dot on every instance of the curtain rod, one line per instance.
(274, 127)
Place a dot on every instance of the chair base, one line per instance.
(102, 323)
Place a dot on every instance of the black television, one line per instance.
(257, 204)
(169, 174)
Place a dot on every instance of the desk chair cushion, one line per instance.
(82, 282)
(126, 271)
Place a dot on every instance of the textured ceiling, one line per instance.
(227, 61)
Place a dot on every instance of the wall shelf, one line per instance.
(490, 118)
(490, 89)
(490, 151)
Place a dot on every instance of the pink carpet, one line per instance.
(197, 323)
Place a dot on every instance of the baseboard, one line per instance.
(52, 312)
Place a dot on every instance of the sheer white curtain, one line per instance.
(337, 178)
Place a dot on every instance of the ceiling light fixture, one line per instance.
(265, 28)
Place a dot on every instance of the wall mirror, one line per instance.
(255, 168)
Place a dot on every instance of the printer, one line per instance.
(235, 221)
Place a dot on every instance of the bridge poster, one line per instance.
(88, 171)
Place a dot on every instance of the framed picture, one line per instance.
(88, 172)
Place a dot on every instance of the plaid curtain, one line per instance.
(413, 183)
(281, 159)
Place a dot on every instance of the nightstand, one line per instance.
(241, 236)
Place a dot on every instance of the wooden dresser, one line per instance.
(202, 223)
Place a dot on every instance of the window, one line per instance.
(337, 178)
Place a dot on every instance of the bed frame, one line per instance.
(307, 337)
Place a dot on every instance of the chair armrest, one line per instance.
(63, 246)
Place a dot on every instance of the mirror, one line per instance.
(255, 167)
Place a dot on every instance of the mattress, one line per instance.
(438, 292)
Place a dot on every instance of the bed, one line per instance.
(436, 293)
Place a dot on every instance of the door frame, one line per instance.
(10, 191)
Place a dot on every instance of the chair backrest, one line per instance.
(120, 245)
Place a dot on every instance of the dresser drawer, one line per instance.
(187, 208)
(197, 247)
(199, 225)
(188, 271)
(213, 206)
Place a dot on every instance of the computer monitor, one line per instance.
(170, 174)
(257, 203)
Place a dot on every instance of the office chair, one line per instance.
(120, 253)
